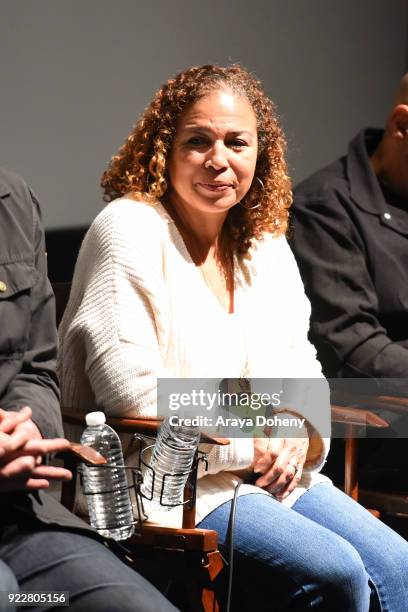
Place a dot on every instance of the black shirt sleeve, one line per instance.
(36, 384)
(345, 326)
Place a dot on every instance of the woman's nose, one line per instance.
(217, 157)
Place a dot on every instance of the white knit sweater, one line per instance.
(140, 309)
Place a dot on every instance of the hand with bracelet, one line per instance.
(280, 460)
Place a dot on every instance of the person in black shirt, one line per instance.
(350, 239)
(43, 547)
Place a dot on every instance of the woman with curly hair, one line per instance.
(187, 273)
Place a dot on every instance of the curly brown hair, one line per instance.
(141, 163)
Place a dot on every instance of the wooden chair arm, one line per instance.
(387, 402)
(80, 453)
(352, 418)
(394, 403)
(356, 416)
(203, 540)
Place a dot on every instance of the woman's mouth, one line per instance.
(215, 187)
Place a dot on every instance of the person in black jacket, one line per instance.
(350, 239)
(43, 547)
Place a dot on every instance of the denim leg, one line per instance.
(60, 560)
(298, 564)
(383, 551)
(8, 584)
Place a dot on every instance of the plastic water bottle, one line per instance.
(109, 505)
(173, 454)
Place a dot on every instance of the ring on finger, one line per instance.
(296, 468)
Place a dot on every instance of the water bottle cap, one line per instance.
(95, 418)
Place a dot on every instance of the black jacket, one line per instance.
(28, 341)
(350, 239)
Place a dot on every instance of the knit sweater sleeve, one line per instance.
(120, 321)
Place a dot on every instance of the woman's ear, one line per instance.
(398, 122)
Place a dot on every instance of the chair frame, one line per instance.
(390, 502)
(186, 549)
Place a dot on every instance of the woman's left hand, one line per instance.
(281, 475)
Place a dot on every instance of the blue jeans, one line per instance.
(8, 584)
(325, 553)
(54, 559)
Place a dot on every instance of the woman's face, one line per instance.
(213, 158)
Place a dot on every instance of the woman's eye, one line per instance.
(202, 141)
(237, 143)
(197, 141)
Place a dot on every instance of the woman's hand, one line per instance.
(280, 461)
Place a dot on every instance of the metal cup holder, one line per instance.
(190, 489)
(139, 513)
